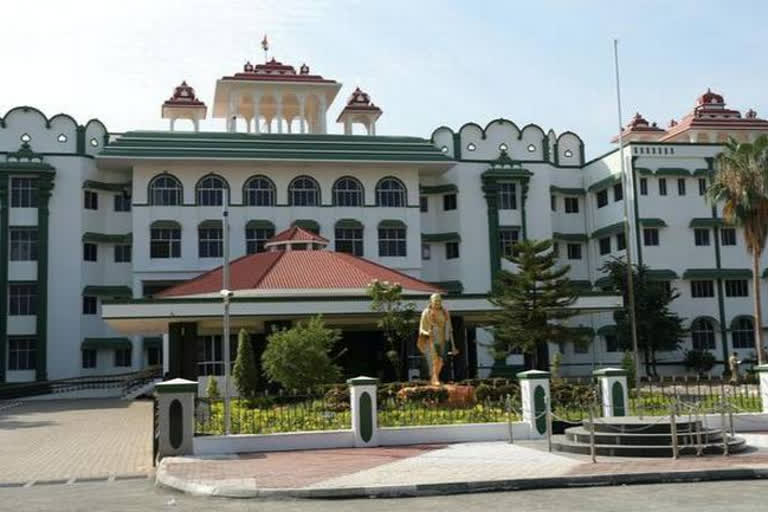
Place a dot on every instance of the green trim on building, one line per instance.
(570, 237)
(706, 222)
(440, 237)
(702, 173)
(107, 187)
(607, 330)
(217, 145)
(152, 342)
(363, 381)
(491, 193)
(613, 229)
(717, 273)
(673, 171)
(108, 239)
(4, 198)
(449, 188)
(610, 372)
(259, 224)
(533, 375)
(451, 287)
(348, 224)
(661, 275)
(106, 343)
(308, 225)
(567, 191)
(642, 171)
(392, 224)
(604, 183)
(210, 224)
(165, 224)
(108, 291)
(636, 210)
(44, 188)
(653, 223)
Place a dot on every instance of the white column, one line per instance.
(762, 371)
(248, 125)
(196, 123)
(279, 114)
(173, 123)
(362, 397)
(534, 391)
(302, 115)
(288, 123)
(166, 351)
(321, 115)
(269, 125)
(613, 388)
(256, 113)
(231, 113)
(176, 407)
(372, 131)
(347, 127)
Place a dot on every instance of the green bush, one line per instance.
(245, 373)
(700, 361)
(212, 388)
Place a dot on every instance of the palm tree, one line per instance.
(741, 184)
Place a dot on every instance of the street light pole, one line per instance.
(226, 294)
(627, 238)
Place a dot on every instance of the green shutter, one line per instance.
(608, 230)
(653, 223)
(439, 189)
(349, 224)
(259, 224)
(108, 291)
(715, 273)
(210, 224)
(392, 224)
(308, 225)
(108, 239)
(440, 237)
(106, 343)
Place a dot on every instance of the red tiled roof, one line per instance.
(275, 71)
(297, 270)
(298, 234)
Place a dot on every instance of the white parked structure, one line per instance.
(87, 216)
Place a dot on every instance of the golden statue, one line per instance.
(435, 332)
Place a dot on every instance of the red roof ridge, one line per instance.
(269, 267)
(378, 265)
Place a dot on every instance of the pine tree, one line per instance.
(246, 374)
(534, 302)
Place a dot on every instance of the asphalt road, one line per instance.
(142, 495)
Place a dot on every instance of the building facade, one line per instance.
(88, 217)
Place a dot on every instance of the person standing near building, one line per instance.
(733, 366)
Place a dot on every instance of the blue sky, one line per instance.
(426, 63)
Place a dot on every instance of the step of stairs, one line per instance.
(144, 389)
(561, 443)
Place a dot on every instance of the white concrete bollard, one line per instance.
(534, 392)
(176, 411)
(762, 373)
(362, 397)
(614, 391)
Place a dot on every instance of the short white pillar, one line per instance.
(176, 417)
(534, 392)
(614, 391)
(762, 373)
(362, 397)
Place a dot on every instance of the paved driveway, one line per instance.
(75, 439)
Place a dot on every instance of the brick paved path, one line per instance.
(66, 439)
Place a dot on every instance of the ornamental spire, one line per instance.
(265, 47)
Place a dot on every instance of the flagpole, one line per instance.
(226, 295)
(627, 237)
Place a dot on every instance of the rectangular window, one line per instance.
(556, 249)
(701, 236)
(650, 236)
(702, 186)
(602, 198)
(702, 289)
(349, 240)
(210, 242)
(507, 196)
(605, 245)
(23, 244)
(122, 254)
(22, 299)
(662, 186)
(449, 202)
(165, 243)
(426, 252)
(451, 250)
(618, 192)
(90, 200)
(210, 360)
(553, 202)
(123, 357)
(621, 242)
(424, 204)
(507, 240)
(643, 186)
(90, 252)
(122, 203)
(255, 238)
(392, 242)
(728, 236)
(571, 205)
(736, 288)
(23, 193)
(574, 251)
(89, 358)
(611, 343)
(21, 353)
(681, 186)
(90, 305)
(154, 356)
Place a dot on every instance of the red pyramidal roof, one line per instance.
(297, 234)
(295, 272)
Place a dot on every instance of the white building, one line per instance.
(90, 217)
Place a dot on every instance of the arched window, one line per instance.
(349, 237)
(165, 190)
(259, 191)
(347, 192)
(164, 239)
(703, 334)
(390, 192)
(743, 332)
(304, 191)
(210, 191)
